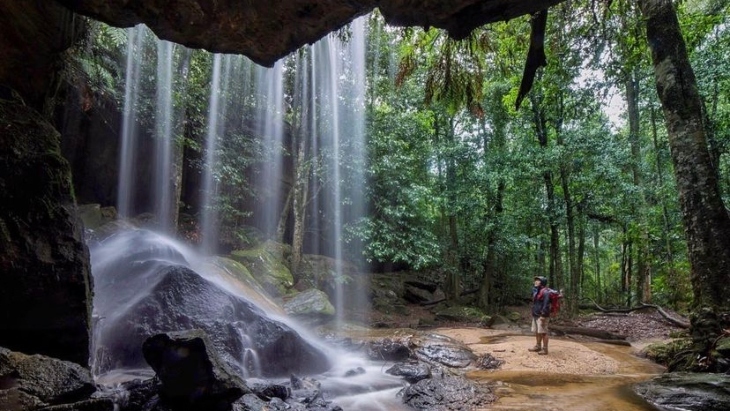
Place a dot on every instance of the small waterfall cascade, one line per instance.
(147, 182)
(250, 362)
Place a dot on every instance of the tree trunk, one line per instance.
(626, 267)
(672, 276)
(178, 162)
(706, 220)
(542, 138)
(643, 280)
(299, 203)
(487, 297)
(596, 243)
(453, 276)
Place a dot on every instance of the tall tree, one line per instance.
(706, 220)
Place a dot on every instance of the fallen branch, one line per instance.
(590, 332)
(679, 323)
(615, 310)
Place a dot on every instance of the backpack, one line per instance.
(555, 297)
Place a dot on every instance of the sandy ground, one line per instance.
(510, 346)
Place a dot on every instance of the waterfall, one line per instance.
(270, 125)
(325, 89)
(125, 189)
(216, 126)
(146, 282)
(163, 187)
(355, 188)
(338, 93)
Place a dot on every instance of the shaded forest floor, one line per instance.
(640, 327)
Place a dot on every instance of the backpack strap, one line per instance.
(543, 294)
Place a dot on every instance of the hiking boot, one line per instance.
(536, 348)
(543, 352)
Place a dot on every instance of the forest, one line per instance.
(301, 187)
(576, 183)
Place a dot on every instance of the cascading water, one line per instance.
(125, 190)
(270, 121)
(146, 282)
(209, 220)
(338, 94)
(163, 187)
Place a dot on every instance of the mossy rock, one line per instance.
(723, 347)
(266, 264)
(514, 316)
(312, 303)
(667, 353)
(464, 314)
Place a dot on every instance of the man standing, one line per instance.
(540, 315)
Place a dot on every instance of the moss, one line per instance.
(267, 266)
(672, 354)
(723, 346)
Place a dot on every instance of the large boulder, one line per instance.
(442, 350)
(190, 371)
(446, 392)
(311, 305)
(146, 287)
(29, 382)
(45, 284)
(687, 391)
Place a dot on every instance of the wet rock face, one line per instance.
(149, 290)
(687, 391)
(266, 31)
(442, 350)
(191, 372)
(44, 265)
(32, 38)
(34, 381)
(445, 392)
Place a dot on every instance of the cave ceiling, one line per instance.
(267, 30)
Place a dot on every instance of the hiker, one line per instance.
(540, 315)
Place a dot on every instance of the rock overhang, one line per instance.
(267, 30)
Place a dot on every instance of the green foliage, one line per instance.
(96, 59)
(445, 145)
